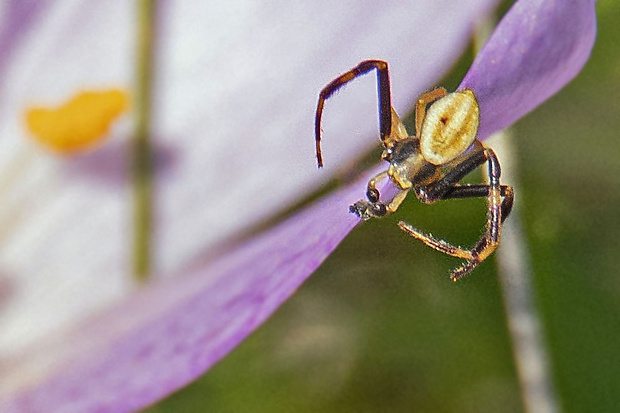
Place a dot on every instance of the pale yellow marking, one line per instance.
(420, 107)
(78, 124)
(450, 127)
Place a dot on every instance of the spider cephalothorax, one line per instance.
(431, 163)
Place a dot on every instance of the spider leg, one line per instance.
(372, 193)
(435, 243)
(373, 208)
(498, 210)
(436, 191)
(366, 210)
(420, 106)
(385, 103)
(462, 192)
(479, 191)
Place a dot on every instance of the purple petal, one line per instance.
(236, 90)
(537, 48)
(237, 86)
(174, 331)
(65, 236)
(239, 108)
(17, 18)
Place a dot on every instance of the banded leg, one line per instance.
(496, 214)
(385, 100)
(462, 192)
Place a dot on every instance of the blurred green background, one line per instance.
(380, 328)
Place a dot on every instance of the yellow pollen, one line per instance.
(80, 123)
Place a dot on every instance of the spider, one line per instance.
(431, 163)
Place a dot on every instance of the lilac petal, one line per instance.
(173, 331)
(240, 106)
(236, 91)
(537, 48)
(65, 238)
(17, 19)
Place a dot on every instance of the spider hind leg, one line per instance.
(497, 209)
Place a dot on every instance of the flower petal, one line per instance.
(172, 332)
(161, 340)
(235, 103)
(63, 237)
(537, 48)
(246, 150)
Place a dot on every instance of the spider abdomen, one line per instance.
(450, 127)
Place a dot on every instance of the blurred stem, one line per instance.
(141, 151)
(515, 276)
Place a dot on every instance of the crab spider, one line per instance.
(431, 163)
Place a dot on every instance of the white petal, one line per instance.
(239, 88)
(236, 94)
(63, 237)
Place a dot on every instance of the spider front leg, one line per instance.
(385, 100)
(374, 208)
(498, 210)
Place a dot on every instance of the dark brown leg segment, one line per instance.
(385, 103)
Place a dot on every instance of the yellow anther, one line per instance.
(80, 123)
